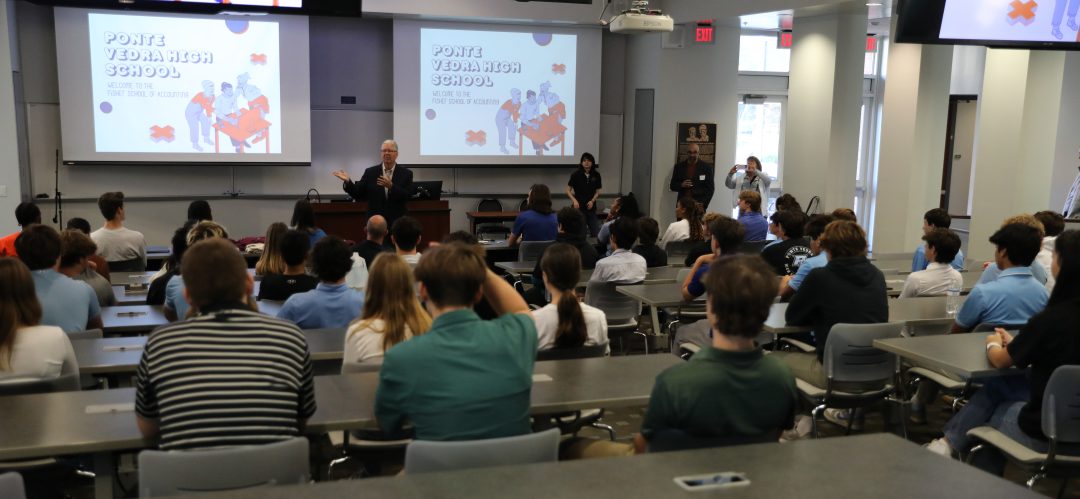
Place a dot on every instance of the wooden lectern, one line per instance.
(347, 220)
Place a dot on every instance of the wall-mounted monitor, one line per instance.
(1033, 24)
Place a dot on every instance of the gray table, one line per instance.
(121, 278)
(925, 311)
(126, 297)
(880, 465)
(655, 275)
(141, 319)
(961, 354)
(656, 296)
(121, 355)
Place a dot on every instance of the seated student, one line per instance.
(939, 277)
(159, 282)
(1053, 225)
(788, 202)
(844, 214)
(303, 220)
(199, 210)
(75, 249)
(65, 302)
(28, 350)
(754, 223)
(624, 206)
(26, 214)
(702, 247)
(571, 231)
(405, 235)
(936, 218)
(332, 303)
(1041, 274)
(293, 248)
(466, 378)
(482, 307)
(730, 388)
(648, 230)
(813, 229)
(115, 242)
(391, 313)
(176, 307)
(376, 241)
(791, 248)
(566, 322)
(254, 382)
(537, 222)
(622, 267)
(95, 261)
(1046, 341)
(270, 261)
(726, 236)
(849, 289)
(688, 225)
(1015, 295)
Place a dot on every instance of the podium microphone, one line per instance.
(318, 197)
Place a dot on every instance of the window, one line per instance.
(759, 53)
(760, 133)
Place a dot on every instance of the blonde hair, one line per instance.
(271, 261)
(391, 296)
(1026, 219)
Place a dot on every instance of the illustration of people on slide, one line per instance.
(543, 129)
(1059, 11)
(225, 110)
(552, 126)
(256, 101)
(198, 113)
(506, 119)
(530, 121)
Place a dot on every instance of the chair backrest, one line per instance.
(65, 383)
(680, 248)
(11, 486)
(361, 367)
(850, 356)
(524, 205)
(676, 440)
(531, 251)
(423, 456)
(489, 204)
(616, 306)
(89, 334)
(166, 473)
(1061, 405)
(752, 247)
(987, 327)
(584, 352)
(133, 265)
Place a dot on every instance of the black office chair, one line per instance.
(524, 205)
(488, 229)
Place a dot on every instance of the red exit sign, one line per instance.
(703, 33)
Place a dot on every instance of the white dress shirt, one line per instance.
(1046, 259)
(676, 231)
(622, 267)
(547, 322)
(936, 280)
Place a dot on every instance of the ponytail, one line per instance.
(571, 332)
(561, 264)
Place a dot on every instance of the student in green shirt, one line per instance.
(728, 389)
(467, 378)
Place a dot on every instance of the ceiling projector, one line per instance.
(640, 19)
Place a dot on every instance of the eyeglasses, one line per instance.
(388, 150)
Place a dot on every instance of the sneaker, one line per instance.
(839, 417)
(940, 446)
(800, 431)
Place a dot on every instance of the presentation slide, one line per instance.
(474, 94)
(182, 88)
(497, 93)
(1019, 20)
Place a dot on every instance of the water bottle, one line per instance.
(952, 302)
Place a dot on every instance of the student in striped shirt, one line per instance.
(228, 376)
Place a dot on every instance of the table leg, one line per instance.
(104, 468)
(655, 315)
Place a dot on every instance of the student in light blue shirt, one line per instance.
(66, 303)
(332, 303)
(1041, 273)
(935, 219)
(814, 227)
(176, 306)
(1015, 295)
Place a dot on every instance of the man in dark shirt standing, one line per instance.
(376, 240)
(694, 178)
(385, 187)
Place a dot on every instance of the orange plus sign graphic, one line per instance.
(159, 133)
(1023, 12)
(477, 138)
(258, 59)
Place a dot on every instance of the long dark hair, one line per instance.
(1067, 287)
(540, 199)
(19, 305)
(303, 216)
(179, 246)
(628, 206)
(561, 264)
(199, 210)
(694, 213)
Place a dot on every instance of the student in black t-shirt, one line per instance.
(648, 232)
(583, 189)
(791, 248)
(294, 250)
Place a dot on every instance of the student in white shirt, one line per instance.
(391, 313)
(1053, 225)
(939, 277)
(28, 350)
(689, 225)
(622, 266)
(566, 322)
(115, 242)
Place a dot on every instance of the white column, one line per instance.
(914, 119)
(9, 155)
(821, 143)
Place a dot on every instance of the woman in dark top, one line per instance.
(648, 232)
(583, 189)
(293, 248)
(303, 220)
(1050, 339)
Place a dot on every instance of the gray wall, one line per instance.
(352, 57)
